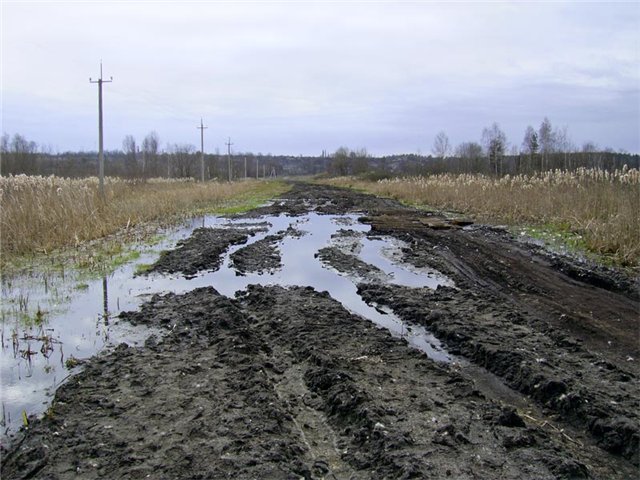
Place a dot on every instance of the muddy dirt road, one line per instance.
(340, 336)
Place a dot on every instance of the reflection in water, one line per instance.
(105, 301)
(71, 320)
(301, 267)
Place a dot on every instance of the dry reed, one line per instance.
(597, 209)
(39, 214)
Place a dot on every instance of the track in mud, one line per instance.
(530, 372)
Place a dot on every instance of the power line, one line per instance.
(201, 128)
(100, 81)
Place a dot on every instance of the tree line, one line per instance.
(543, 148)
(134, 161)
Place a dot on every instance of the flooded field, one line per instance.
(327, 335)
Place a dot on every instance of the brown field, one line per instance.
(40, 214)
(593, 209)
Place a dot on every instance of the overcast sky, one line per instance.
(299, 77)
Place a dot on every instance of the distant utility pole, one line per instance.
(245, 168)
(201, 128)
(257, 169)
(100, 81)
(228, 144)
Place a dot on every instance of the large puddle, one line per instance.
(47, 321)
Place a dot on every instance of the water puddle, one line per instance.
(76, 318)
(385, 253)
(301, 267)
(50, 319)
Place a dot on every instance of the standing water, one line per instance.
(50, 321)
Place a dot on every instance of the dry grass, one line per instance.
(39, 214)
(596, 209)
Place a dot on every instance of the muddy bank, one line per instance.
(568, 341)
(287, 383)
(550, 367)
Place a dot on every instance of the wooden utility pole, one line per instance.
(100, 81)
(245, 168)
(257, 169)
(228, 144)
(201, 128)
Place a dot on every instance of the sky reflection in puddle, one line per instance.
(80, 322)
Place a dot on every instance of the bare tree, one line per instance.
(564, 145)
(470, 153)
(183, 160)
(359, 161)
(339, 164)
(19, 155)
(530, 144)
(130, 161)
(441, 146)
(4, 143)
(547, 142)
(590, 154)
(4, 154)
(150, 146)
(495, 143)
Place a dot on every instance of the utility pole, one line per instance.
(245, 168)
(228, 144)
(257, 169)
(100, 81)
(201, 128)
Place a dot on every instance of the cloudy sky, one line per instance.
(298, 77)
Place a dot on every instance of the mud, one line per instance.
(263, 255)
(287, 383)
(349, 264)
(201, 251)
(259, 257)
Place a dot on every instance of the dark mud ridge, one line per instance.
(201, 251)
(286, 383)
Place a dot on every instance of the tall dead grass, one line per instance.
(598, 209)
(39, 214)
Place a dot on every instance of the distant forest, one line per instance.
(541, 150)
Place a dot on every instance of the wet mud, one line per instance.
(263, 255)
(201, 251)
(286, 382)
(349, 264)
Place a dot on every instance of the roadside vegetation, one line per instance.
(42, 214)
(591, 209)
